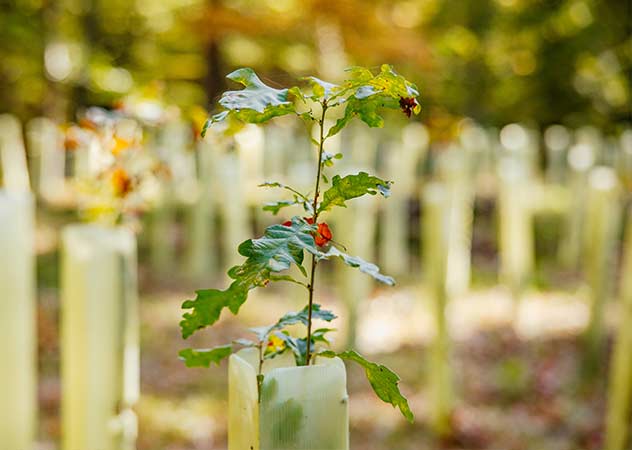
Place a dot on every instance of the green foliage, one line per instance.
(365, 93)
(352, 186)
(358, 263)
(204, 357)
(293, 318)
(275, 207)
(284, 245)
(298, 346)
(383, 380)
(298, 199)
(256, 103)
(280, 247)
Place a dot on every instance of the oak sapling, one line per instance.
(268, 258)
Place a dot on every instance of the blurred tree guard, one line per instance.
(297, 413)
(620, 380)
(234, 209)
(356, 227)
(170, 144)
(603, 215)
(277, 420)
(402, 161)
(18, 346)
(515, 208)
(100, 338)
(557, 140)
(100, 361)
(456, 173)
(47, 159)
(15, 174)
(201, 257)
(580, 160)
(438, 210)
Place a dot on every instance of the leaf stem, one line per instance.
(260, 371)
(321, 141)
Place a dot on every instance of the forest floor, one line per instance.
(519, 379)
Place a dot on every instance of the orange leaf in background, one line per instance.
(121, 182)
(119, 145)
(88, 124)
(71, 143)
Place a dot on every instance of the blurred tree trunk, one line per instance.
(214, 80)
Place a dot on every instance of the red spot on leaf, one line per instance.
(322, 236)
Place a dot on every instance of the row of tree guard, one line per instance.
(99, 303)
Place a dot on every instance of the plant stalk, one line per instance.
(260, 371)
(321, 141)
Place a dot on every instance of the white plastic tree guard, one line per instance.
(620, 389)
(201, 256)
(48, 159)
(18, 386)
(357, 230)
(603, 213)
(457, 178)
(300, 408)
(436, 237)
(15, 174)
(515, 224)
(401, 161)
(100, 338)
(234, 211)
(580, 158)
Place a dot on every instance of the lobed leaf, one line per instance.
(275, 207)
(352, 186)
(383, 380)
(204, 357)
(256, 103)
(358, 263)
(280, 247)
(298, 346)
(321, 90)
(365, 93)
(293, 318)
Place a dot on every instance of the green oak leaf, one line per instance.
(320, 335)
(280, 247)
(302, 316)
(352, 186)
(383, 380)
(204, 357)
(358, 263)
(293, 318)
(321, 90)
(298, 346)
(299, 199)
(256, 103)
(245, 342)
(208, 305)
(275, 207)
(365, 93)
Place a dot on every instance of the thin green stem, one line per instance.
(260, 371)
(312, 277)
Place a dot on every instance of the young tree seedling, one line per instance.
(268, 258)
